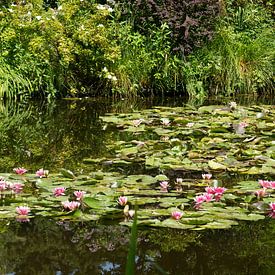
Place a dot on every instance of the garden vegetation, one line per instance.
(136, 47)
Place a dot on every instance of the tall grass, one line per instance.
(240, 59)
(12, 83)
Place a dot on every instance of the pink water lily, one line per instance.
(216, 191)
(41, 173)
(122, 200)
(206, 176)
(70, 205)
(208, 197)
(260, 193)
(20, 170)
(16, 187)
(199, 199)
(267, 184)
(23, 210)
(3, 185)
(59, 191)
(176, 215)
(164, 185)
(79, 195)
(272, 210)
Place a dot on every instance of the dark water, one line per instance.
(61, 134)
(49, 247)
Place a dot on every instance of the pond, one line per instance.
(201, 177)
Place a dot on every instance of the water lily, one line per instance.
(23, 210)
(70, 205)
(165, 121)
(240, 127)
(16, 187)
(164, 138)
(267, 184)
(216, 191)
(164, 185)
(131, 213)
(137, 122)
(208, 197)
(190, 124)
(176, 215)
(199, 200)
(41, 173)
(122, 200)
(260, 193)
(20, 170)
(59, 191)
(3, 185)
(272, 210)
(79, 195)
(206, 176)
(232, 105)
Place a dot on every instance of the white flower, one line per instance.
(38, 17)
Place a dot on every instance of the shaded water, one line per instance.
(63, 133)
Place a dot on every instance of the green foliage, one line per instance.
(62, 49)
(146, 62)
(80, 47)
(240, 59)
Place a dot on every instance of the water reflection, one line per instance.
(47, 247)
(61, 133)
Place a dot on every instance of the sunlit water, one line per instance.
(61, 134)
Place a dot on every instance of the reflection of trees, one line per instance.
(59, 133)
(44, 247)
(49, 135)
(246, 249)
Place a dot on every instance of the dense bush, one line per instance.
(62, 49)
(191, 22)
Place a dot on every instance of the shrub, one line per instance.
(58, 50)
(191, 22)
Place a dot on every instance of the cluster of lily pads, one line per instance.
(147, 151)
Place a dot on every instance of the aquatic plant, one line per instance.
(176, 215)
(20, 170)
(41, 173)
(79, 195)
(23, 210)
(59, 191)
(122, 200)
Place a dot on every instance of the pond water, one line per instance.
(95, 146)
